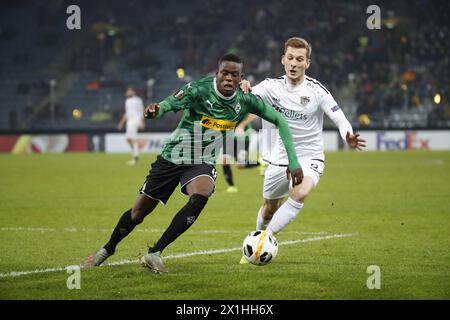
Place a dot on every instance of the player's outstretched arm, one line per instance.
(354, 141)
(176, 102)
(345, 128)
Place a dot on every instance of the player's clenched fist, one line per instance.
(295, 175)
(151, 111)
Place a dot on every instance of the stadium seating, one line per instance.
(390, 76)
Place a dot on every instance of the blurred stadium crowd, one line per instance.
(53, 78)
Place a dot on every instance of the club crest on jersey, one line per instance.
(237, 108)
(209, 103)
(304, 100)
(179, 94)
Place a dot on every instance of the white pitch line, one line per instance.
(175, 256)
(73, 230)
(27, 229)
(143, 230)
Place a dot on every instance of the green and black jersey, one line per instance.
(207, 116)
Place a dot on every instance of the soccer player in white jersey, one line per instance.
(303, 101)
(134, 120)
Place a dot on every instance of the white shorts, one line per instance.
(132, 130)
(276, 183)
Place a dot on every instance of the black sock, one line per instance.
(181, 222)
(228, 174)
(123, 228)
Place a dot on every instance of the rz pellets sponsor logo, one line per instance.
(217, 124)
(291, 114)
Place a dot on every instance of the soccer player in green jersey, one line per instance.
(211, 107)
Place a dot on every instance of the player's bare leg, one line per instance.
(266, 212)
(199, 191)
(302, 190)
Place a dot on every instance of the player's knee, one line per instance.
(198, 201)
(138, 215)
(203, 193)
(300, 194)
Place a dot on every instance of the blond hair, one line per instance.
(296, 42)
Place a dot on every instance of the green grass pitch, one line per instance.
(390, 209)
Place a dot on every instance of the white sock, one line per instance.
(261, 223)
(135, 150)
(284, 215)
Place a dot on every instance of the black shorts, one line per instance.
(164, 176)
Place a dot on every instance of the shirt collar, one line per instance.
(292, 87)
(221, 95)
